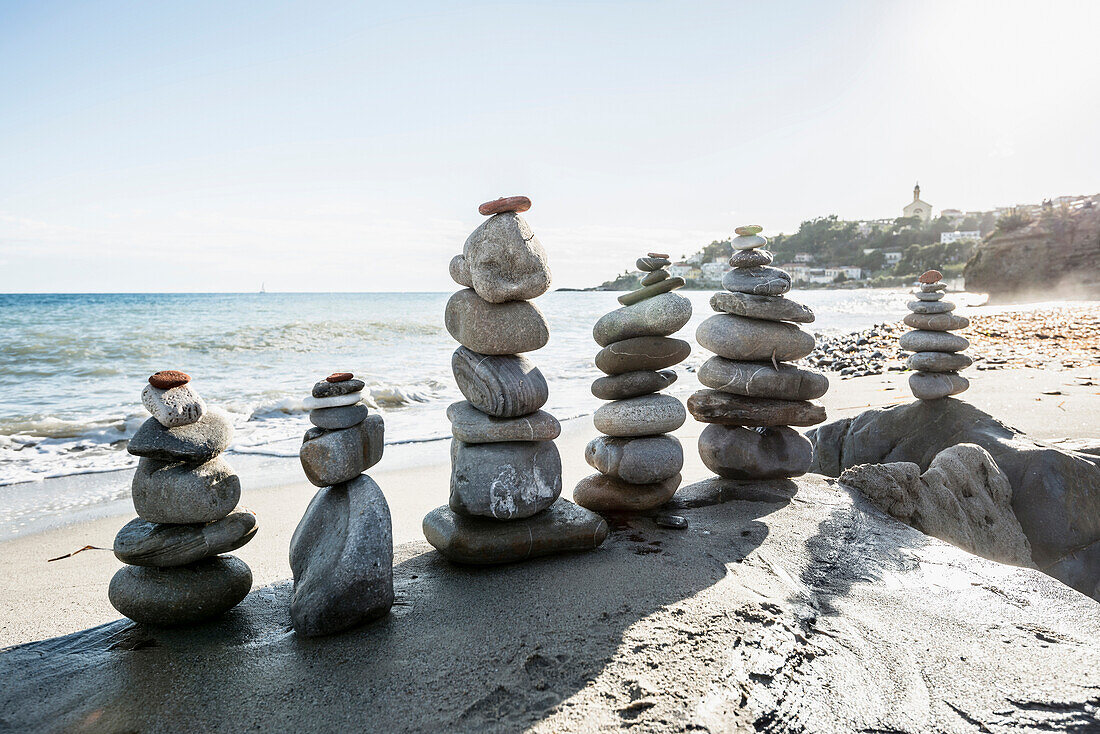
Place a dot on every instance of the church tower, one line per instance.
(917, 208)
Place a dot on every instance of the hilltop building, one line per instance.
(918, 208)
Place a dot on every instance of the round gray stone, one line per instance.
(661, 315)
(505, 481)
(928, 296)
(938, 362)
(198, 441)
(935, 385)
(344, 416)
(460, 273)
(762, 380)
(505, 386)
(341, 555)
(735, 452)
(655, 277)
(607, 494)
(168, 597)
(936, 321)
(332, 457)
(506, 261)
(750, 258)
(768, 308)
(931, 306)
(748, 242)
(495, 328)
(932, 341)
(649, 264)
(143, 543)
(470, 425)
(753, 340)
(642, 353)
(761, 281)
(632, 384)
(176, 406)
(326, 389)
(646, 415)
(644, 460)
(714, 406)
(931, 287)
(184, 492)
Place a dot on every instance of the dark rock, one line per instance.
(327, 389)
(335, 419)
(761, 280)
(654, 277)
(636, 460)
(642, 353)
(562, 528)
(605, 494)
(506, 481)
(658, 316)
(936, 321)
(632, 384)
(645, 415)
(715, 406)
(649, 264)
(503, 386)
(199, 441)
(753, 340)
(678, 522)
(506, 261)
(505, 204)
(495, 328)
(936, 385)
(341, 555)
(938, 362)
(470, 425)
(762, 380)
(1055, 493)
(143, 543)
(932, 341)
(734, 452)
(769, 308)
(184, 492)
(168, 379)
(750, 258)
(168, 597)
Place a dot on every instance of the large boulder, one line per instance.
(963, 498)
(1055, 492)
(505, 261)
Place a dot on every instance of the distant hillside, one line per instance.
(1054, 254)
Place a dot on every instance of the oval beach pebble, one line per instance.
(339, 377)
(748, 230)
(505, 204)
(930, 276)
(167, 379)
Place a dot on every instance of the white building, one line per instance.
(848, 271)
(714, 271)
(892, 257)
(803, 257)
(947, 238)
(679, 270)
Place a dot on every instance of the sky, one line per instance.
(345, 146)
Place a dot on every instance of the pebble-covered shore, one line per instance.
(1058, 337)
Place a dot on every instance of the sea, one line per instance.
(72, 368)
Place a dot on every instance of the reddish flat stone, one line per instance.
(657, 254)
(339, 377)
(167, 379)
(930, 276)
(505, 204)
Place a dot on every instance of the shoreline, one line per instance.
(71, 594)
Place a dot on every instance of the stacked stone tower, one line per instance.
(755, 396)
(505, 468)
(186, 498)
(936, 359)
(342, 550)
(639, 464)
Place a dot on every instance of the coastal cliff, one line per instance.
(1053, 256)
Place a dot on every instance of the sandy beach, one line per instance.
(48, 599)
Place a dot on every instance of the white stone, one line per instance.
(176, 406)
(335, 401)
(749, 242)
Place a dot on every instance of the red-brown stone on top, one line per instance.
(658, 254)
(339, 377)
(167, 379)
(505, 204)
(930, 276)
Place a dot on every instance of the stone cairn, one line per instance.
(754, 396)
(505, 469)
(186, 498)
(936, 359)
(341, 553)
(639, 463)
